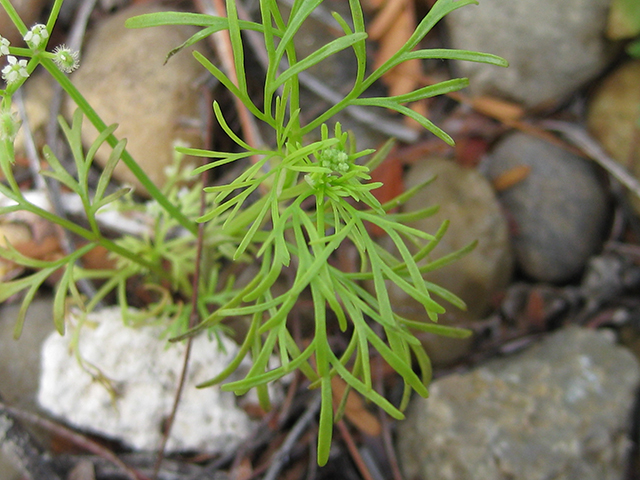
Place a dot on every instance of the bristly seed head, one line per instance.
(66, 60)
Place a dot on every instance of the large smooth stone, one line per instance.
(559, 211)
(560, 410)
(122, 76)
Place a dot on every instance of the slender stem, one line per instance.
(92, 237)
(6, 159)
(53, 16)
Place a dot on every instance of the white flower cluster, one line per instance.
(36, 38)
(4, 46)
(15, 70)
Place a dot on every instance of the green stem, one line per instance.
(53, 16)
(92, 237)
(128, 160)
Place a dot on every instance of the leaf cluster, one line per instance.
(315, 197)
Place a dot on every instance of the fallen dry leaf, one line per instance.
(511, 177)
(355, 409)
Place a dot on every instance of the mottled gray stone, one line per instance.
(560, 410)
(553, 47)
(20, 359)
(20, 362)
(559, 211)
(466, 200)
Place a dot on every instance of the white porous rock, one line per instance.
(144, 371)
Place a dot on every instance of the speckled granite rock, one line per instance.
(552, 48)
(558, 212)
(559, 410)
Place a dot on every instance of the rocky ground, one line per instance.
(543, 176)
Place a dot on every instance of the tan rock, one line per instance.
(123, 77)
(614, 114)
(467, 200)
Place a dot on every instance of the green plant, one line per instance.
(314, 196)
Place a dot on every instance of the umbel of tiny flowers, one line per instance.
(15, 70)
(4, 46)
(65, 58)
(36, 38)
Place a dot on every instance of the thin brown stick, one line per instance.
(193, 321)
(279, 459)
(387, 441)
(353, 450)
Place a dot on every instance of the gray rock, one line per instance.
(142, 372)
(465, 199)
(20, 362)
(552, 47)
(560, 410)
(20, 359)
(559, 210)
(122, 76)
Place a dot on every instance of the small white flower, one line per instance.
(37, 37)
(4, 46)
(9, 125)
(65, 58)
(15, 70)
